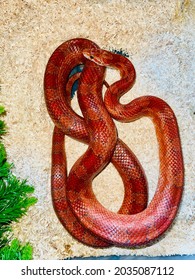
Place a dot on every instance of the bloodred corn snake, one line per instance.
(74, 201)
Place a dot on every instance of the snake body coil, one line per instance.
(136, 223)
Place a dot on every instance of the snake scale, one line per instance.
(137, 223)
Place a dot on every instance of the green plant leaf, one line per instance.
(15, 200)
(2, 110)
(16, 251)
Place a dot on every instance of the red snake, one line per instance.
(74, 201)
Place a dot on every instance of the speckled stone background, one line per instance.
(159, 37)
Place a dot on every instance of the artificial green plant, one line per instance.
(15, 199)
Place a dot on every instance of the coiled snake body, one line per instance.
(136, 223)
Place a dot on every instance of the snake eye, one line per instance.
(91, 57)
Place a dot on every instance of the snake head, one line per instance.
(100, 57)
